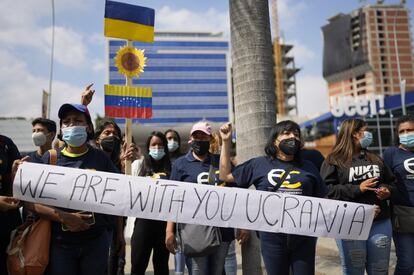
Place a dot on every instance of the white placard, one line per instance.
(167, 200)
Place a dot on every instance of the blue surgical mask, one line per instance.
(407, 139)
(156, 154)
(366, 140)
(172, 146)
(74, 136)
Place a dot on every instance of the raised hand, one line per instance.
(87, 95)
(225, 131)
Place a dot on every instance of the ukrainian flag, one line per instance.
(129, 22)
(128, 101)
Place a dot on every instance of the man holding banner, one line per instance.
(281, 171)
(80, 240)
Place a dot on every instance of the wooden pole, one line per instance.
(128, 127)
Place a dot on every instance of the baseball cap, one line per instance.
(73, 107)
(202, 126)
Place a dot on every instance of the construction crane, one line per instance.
(277, 55)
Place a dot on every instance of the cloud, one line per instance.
(302, 53)
(289, 12)
(22, 90)
(70, 49)
(98, 65)
(310, 87)
(187, 20)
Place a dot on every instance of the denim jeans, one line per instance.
(230, 264)
(212, 264)
(372, 255)
(89, 257)
(404, 248)
(180, 260)
(283, 252)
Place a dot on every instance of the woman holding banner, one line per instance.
(400, 159)
(281, 170)
(199, 166)
(79, 240)
(149, 235)
(352, 173)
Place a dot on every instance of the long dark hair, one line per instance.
(401, 120)
(286, 125)
(176, 153)
(102, 126)
(343, 149)
(152, 166)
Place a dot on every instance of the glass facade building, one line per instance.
(188, 73)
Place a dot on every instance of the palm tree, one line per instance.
(254, 98)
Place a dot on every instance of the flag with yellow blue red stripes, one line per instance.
(128, 101)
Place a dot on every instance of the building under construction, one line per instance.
(285, 71)
(367, 55)
(368, 51)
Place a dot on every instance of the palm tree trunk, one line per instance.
(254, 96)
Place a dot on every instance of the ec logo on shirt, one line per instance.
(409, 165)
(278, 173)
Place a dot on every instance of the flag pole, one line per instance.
(128, 127)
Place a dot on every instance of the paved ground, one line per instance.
(327, 259)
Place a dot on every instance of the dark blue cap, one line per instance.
(73, 107)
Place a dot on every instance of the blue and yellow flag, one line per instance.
(129, 22)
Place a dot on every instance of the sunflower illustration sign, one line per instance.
(130, 61)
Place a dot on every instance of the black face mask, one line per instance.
(289, 146)
(110, 144)
(200, 147)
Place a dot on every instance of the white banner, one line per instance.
(167, 200)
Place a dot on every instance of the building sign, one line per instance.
(357, 105)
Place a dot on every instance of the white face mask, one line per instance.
(39, 139)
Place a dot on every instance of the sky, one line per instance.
(25, 45)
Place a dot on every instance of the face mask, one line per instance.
(74, 136)
(200, 147)
(366, 140)
(110, 144)
(407, 139)
(172, 146)
(156, 154)
(39, 139)
(289, 146)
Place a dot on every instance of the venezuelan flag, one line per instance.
(128, 102)
(129, 22)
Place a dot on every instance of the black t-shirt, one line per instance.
(8, 154)
(401, 163)
(9, 220)
(343, 183)
(96, 160)
(189, 169)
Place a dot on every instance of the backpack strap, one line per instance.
(52, 156)
(280, 180)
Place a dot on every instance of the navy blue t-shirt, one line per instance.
(401, 163)
(263, 173)
(96, 160)
(188, 169)
(34, 157)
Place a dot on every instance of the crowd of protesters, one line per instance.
(93, 243)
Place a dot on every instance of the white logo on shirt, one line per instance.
(278, 173)
(202, 178)
(363, 172)
(409, 165)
